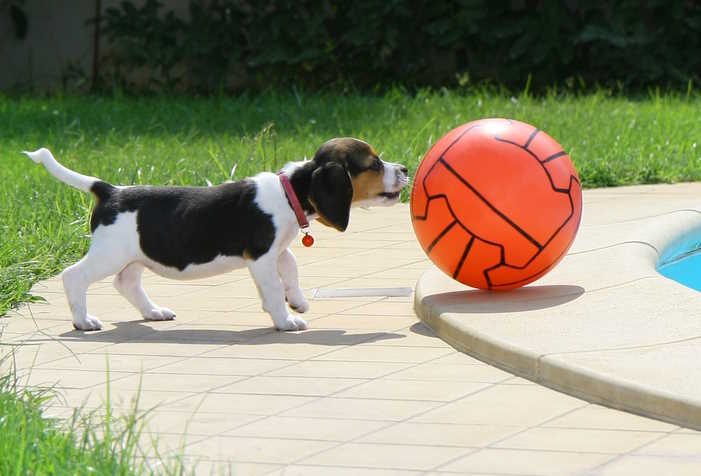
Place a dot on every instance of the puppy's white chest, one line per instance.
(220, 264)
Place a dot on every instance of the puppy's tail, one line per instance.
(74, 179)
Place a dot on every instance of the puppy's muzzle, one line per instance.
(401, 180)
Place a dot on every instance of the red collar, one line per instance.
(307, 240)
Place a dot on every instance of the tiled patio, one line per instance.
(366, 390)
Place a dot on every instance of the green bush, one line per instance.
(575, 44)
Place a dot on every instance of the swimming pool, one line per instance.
(682, 262)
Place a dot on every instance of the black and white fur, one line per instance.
(195, 232)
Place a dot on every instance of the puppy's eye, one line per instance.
(376, 164)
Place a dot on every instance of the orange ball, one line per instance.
(496, 203)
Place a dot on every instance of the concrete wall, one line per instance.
(57, 37)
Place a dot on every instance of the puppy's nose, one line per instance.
(404, 170)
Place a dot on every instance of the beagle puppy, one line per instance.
(195, 232)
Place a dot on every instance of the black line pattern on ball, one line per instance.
(502, 261)
(464, 255)
(441, 235)
(492, 207)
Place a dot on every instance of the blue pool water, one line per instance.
(683, 263)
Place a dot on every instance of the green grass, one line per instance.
(159, 140)
(85, 444)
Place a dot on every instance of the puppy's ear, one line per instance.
(331, 193)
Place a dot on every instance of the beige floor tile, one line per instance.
(76, 379)
(307, 281)
(336, 272)
(308, 470)
(162, 291)
(235, 318)
(363, 409)
(398, 273)
(117, 362)
(458, 358)
(55, 348)
(439, 390)
(169, 383)
(687, 431)
(53, 303)
(334, 306)
(377, 353)
(441, 434)
(24, 357)
(378, 322)
(675, 445)
(211, 334)
(331, 338)
(200, 423)
(283, 350)
(223, 366)
(214, 300)
(598, 417)
(160, 420)
(326, 429)
(147, 399)
(113, 332)
(505, 405)
(106, 304)
(422, 264)
(410, 338)
(518, 381)
(123, 400)
(376, 282)
(651, 466)
(352, 260)
(318, 295)
(239, 287)
(205, 467)
(526, 462)
(166, 446)
(454, 373)
(377, 455)
(347, 369)
(169, 349)
(25, 324)
(583, 440)
(244, 403)
(19, 359)
(279, 385)
(384, 308)
(221, 468)
(258, 450)
(445, 473)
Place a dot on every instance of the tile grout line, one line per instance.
(263, 417)
(314, 399)
(633, 450)
(525, 429)
(404, 420)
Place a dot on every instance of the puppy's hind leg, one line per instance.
(96, 265)
(128, 283)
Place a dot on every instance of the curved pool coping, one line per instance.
(527, 333)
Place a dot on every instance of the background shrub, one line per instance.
(575, 44)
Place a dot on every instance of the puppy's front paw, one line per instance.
(160, 314)
(292, 323)
(297, 301)
(90, 323)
